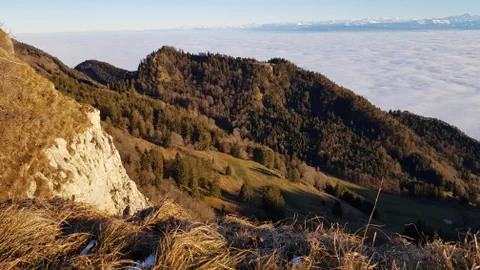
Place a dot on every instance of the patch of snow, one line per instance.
(89, 247)
(297, 261)
(441, 21)
(148, 262)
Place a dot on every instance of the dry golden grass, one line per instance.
(197, 247)
(38, 234)
(32, 115)
(33, 238)
(5, 42)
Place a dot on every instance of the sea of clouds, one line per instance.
(431, 73)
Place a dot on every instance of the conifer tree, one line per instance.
(156, 158)
(179, 171)
(246, 192)
(274, 203)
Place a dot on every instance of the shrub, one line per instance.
(329, 189)
(352, 198)
(273, 203)
(214, 189)
(235, 150)
(265, 156)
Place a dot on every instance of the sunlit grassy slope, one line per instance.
(301, 200)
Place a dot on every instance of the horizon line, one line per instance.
(246, 26)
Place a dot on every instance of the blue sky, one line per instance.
(35, 16)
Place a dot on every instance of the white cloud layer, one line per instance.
(434, 73)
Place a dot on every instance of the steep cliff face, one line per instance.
(52, 146)
(91, 171)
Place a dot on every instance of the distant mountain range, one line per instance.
(465, 21)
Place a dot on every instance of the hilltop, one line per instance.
(94, 69)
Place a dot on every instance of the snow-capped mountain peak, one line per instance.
(464, 21)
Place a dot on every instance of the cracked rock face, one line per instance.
(90, 170)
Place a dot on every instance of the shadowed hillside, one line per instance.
(95, 70)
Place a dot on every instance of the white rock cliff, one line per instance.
(92, 171)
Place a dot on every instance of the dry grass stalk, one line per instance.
(373, 211)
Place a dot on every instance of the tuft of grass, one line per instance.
(33, 237)
(165, 211)
(198, 247)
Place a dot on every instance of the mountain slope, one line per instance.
(300, 113)
(150, 118)
(48, 65)
(301, 199)
(53, 146)
(461, 150)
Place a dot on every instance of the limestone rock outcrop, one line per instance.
(52, 146)
(91, 171)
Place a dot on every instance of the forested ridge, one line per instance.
(461, 150)
(300, 115)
